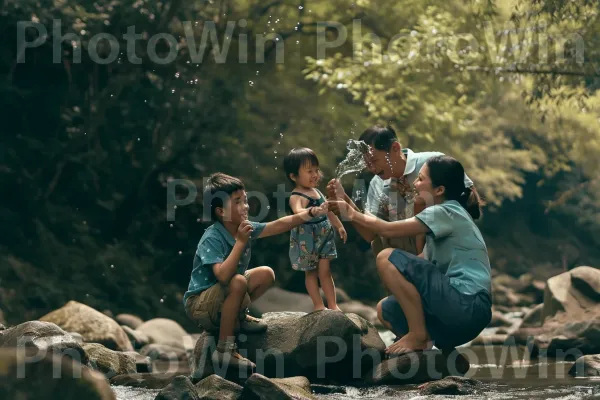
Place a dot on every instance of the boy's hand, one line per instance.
(244, 231)
(343, 234)
(335, 190)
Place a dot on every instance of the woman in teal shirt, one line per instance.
(441, 297)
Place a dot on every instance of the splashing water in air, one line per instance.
(354, 161)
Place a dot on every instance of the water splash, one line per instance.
(354, 161)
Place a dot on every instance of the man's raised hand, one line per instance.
(335, 189)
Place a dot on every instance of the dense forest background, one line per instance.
(87, 149)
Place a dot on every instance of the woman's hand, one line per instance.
(335, 190)
(341, 209)
(321, 210)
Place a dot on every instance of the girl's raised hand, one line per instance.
(343, 234)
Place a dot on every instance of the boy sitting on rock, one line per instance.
(221, 286)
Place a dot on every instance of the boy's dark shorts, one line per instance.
(452, 318)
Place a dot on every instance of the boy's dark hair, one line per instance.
(296, 158)
(380, 137)
(218, 190)
(448, 172)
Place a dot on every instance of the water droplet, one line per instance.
(280, 134)
(112, 265)
(162, 300)
(177, 75)
(275, 151)
(300, 7)
(198, 220)
(251, 83)
(180, 252)
(269, 207)
(171, 225)
(173, 91)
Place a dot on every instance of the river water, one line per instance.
(512, 382)
(505, 371)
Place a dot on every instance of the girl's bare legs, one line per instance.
(312, 287)
(327, 284)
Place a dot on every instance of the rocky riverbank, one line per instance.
(300, 355)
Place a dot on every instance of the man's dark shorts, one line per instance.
(452, 318)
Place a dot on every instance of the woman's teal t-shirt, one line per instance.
(456, 246)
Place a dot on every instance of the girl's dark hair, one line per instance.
(296, 158)
(448, 172)
(380, 137)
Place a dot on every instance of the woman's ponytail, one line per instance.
(472, 202)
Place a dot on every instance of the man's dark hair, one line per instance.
(296, 158)
(380, 137)
(218, 189)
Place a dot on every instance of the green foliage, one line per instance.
(88, 149)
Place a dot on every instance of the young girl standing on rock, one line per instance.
(312, 244)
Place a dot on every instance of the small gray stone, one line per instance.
(586, 366)
(181, 388)
(109, 362)
(137, 339)
(451, 385)
(142, 363)
(214, 387)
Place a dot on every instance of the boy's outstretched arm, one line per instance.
(227, 269)
(285, 224)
